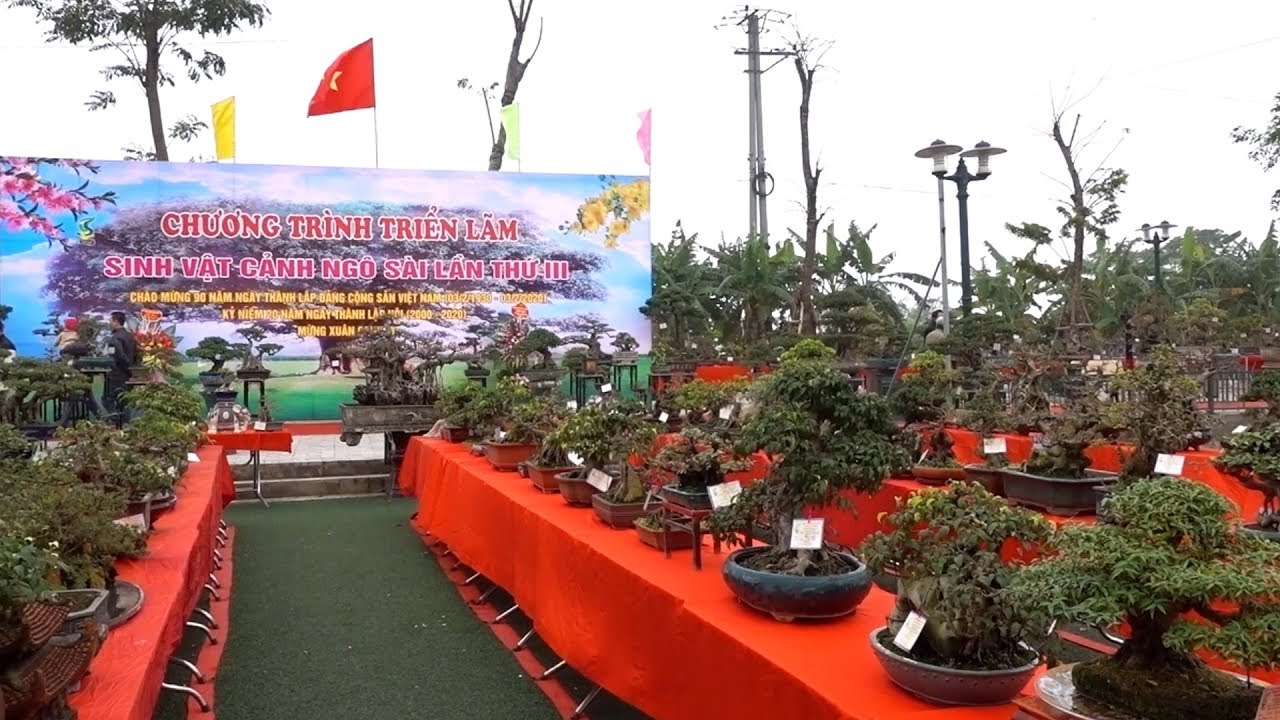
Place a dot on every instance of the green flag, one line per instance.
(511, 123)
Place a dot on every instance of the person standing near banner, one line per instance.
(123, 349)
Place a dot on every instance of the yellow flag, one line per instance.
(224, 129)
(511, 123)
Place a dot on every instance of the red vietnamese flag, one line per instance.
(347, 83)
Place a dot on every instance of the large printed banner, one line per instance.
(312, 255)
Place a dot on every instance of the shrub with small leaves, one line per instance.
(1158, 412)
(27, 572)
(177, 402)
(1253, 458)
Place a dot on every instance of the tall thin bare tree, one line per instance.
(516, 68)
(807, 54)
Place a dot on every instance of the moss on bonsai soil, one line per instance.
(821, 563)
(1169, 694)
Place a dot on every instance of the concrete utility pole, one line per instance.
(759, 181)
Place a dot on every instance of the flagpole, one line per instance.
(376, 161)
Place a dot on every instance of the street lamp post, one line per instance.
(938, 151)
(1155, 236)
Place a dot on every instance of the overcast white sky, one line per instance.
(1171, 80)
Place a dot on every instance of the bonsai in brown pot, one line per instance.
(454, 406)
(649, 530)
(520, 435)
(630, 495)
(551, 461)
(939, 464)
(603, 436)
(985, 414)
(692, 462)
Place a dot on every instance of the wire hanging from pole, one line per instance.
(924, 303)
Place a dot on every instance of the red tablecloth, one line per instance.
(269, 440)
(124, 679)
(650, 628)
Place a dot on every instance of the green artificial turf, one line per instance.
(337, 612)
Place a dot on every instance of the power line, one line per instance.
(1202, 56)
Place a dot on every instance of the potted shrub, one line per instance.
(551, 461)
(101, 456)
(926, 389)
(217, 352)
(946, 545)
(1170, 566)
(520, 436)
(1252, 457)
(826, 439)
(700, 401)
(254, 353)
(598, 435)
(27, 386)
(1056, 477)
(627, 498)
(452, 406)
(985, 414)
(624, 349)
(1157, 409)
(692, 462)
(176, 402)
(14, 445)
(939, 463)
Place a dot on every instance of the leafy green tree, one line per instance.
(1264, 144)
(141, 34)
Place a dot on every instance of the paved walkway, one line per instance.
(325, 448)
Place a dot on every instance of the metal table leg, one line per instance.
(256, 456)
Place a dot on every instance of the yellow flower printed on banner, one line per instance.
(614, 210)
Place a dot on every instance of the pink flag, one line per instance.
(642, 135)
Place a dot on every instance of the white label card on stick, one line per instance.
(1169, 464)
(664, 417)
(807, 534)
(662, 326)
(724, 494)
(1239, 429)
(601, 481)
(726, 412)
(607, 387)
(137, 522)
(574, 458)
(499, 435)
(260, 426)
(994, 446)
(910, 631)
(572, 405)
(192, 457)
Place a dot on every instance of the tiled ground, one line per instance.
(326, 448)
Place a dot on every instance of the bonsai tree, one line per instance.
(853, 326)
(1265, 387)
(453, 403)
(985, 414)
(29, 384)
(13, 444)
(625, 342)
(218, 352)
(489, 408)
(696, 460)
(254, 349)
(700, 400)
(175, 402)
(598, 433)
(634, 437)
(938, 452)
(927, 389)
(163, 438)
(44, 502)
(1067, 437)
(1252, 457)
(1157, 410)
(826, 438)
(947, 547)
(101, 456)
(531, 418)
(540, 341)
(1170, 566)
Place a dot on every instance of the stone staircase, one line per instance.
(319, 466)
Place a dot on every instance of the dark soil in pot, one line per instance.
(788, 597)
(693, 499)
(615, 514)
(574, 487)
(545, 478)
(950, 686)
(1167, 694)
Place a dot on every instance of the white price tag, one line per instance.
(606, 388)
(664, 417)
(1097, 357)
(684, 414)
(1239, 429)
(1169, 464)
(572, 405)
(192, 457)
(662, 326)
(137, 522)
(693, 345)
(726, 412)
(996, 347)
(730, 358)
(910, 631)
(499, 435)
(724, 494)
(574, 458)
(807, 534)
(1235, 351)
(173, 471)
(260, 426)
(994, 446)
(601, 481)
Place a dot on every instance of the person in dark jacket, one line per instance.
(123, 349)
(6, 345)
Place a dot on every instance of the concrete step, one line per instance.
(241, 471)
(314, 486)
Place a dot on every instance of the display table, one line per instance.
(255, 441)
(124, 679)
(664, 638)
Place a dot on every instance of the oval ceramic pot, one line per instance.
(949, 686)
(887, 580)
(937, 475)
(787, 597)
(574, 487)
(692, 499)
(988, 477)
(680, 539)
(506, 457)
(615, 514)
